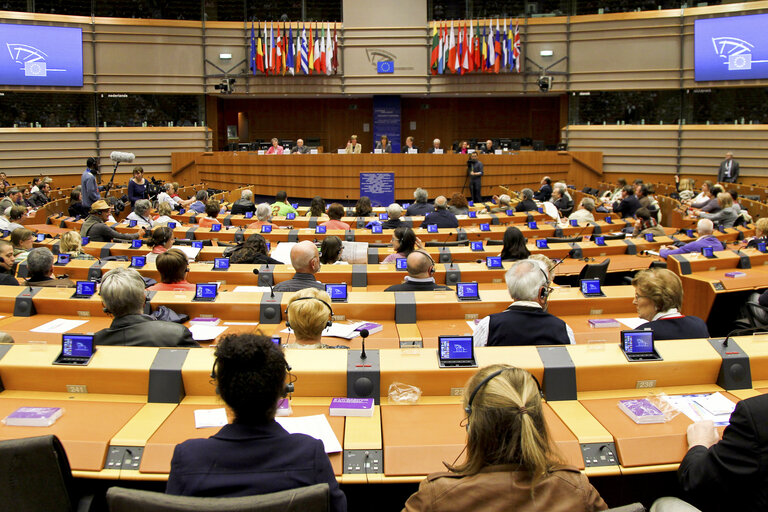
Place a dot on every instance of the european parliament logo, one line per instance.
(731, 48)
(41, 55)
(737, 53)
(33, 61)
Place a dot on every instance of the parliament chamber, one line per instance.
(624, 100)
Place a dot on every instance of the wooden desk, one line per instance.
(180, 425)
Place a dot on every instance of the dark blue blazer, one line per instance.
(443, 219)
(679, 328)
(246, 460)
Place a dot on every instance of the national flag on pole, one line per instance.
(441, 52)
(290, 61)
(279, 52)
(322, 50)
(516, 47)
(328, 50)
(335, 59)
(484, 50)
(304, 51)
(508, 43)
(451, 51)
(491, 49)
(316, 53)
(259, 54)
(497, 49)
(504, 52)
(266, 49)
(253, 49)
(467, 45)
(434, 56)
(477, 51)
(272, 49)
(459, 51)
(470, 48)
(311, 55)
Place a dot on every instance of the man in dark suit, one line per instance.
(729, 170)
(244, 204)
(545, 192)
(441, 216)
(123, 296)
(475, 171)
(300, 148)
(730, 473)
(420, 278)
(628, 204)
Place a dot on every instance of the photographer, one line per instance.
(475, 171)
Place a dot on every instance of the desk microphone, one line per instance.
(363, 334)
(742, 331)
(271, 291)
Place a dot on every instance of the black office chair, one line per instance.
(595, 271)
(313, 498)
(618, 236)
(452, 243)
(756, 314)
(563, 240)
(37, 477)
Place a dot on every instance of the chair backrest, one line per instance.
(634, 507)
(757, 314)
(313, 498)
(595, 271)
(563, 239)
(36, 475)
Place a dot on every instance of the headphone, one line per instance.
(330, 320)
(289, 388)
(468, 408)
(544, 290)
(432, 262)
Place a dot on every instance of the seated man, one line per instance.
(14, 198)
(263, 217)
(7, 259)
(527, 204)
(420, 205)
(421, 271)
(628, 204)
(244, 204)
(585, 212)
(42, 196)
(300, 148)
(704, 229)
(394, 212)
(488, 148)
(40, 270)
(526, 321)
(96, 229)
(435, 145)
(441, 217)
(504, 203)
(728, 473)
(281, 207)
(201, 197)
(305, 259)
(545, 192)
(123, 296)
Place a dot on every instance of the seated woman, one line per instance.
(76, 208)
(727, 213)
(316, 207)
(308, 313)
(646, 223)
(140, 213)
(330, 251)
(335, 213)
(212, 209)
(514, 245)
(160, 241)
(263, 217)
(253, 454)
(458, 204)
(253, 251)
(510, 462)
(363, 207)
(761, 233)
(659, 298)
(71, 243)
(23, 240)
(404, 242)
(173, 268)
(163, 216)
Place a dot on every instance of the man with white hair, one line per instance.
(527, 204)
(585, 212)
(300, 148)
(704, 229)
(244, 204)
(263, 217)
(305, 259)
(40, 270)
(394, 212)
(526, 321)
(504, 204)
(123, 296)
(420, 205)
(441, 216)
(435, 145)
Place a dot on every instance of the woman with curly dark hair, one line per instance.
(363, 207)
(253, 454)
(252, 251)
(514, 245)
(316, 207)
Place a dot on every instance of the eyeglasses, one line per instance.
(640, 297)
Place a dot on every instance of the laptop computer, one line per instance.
(206, 292)
(84, 289)
(591, 288)
(76, 349)
(467, 291)
(638, 346)
(456, 352)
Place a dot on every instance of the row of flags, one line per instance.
(276, 52)
(467, 49)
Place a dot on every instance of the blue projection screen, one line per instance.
(39, 55)
(734, 48)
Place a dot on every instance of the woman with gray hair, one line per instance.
(140, 213)
(263, 217)
(122, 294)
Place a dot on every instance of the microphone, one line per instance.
(271, 291)
(119, 156)
(742, 331)
(363, 334)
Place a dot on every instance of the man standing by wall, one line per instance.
(475, 170)
(90, 188)
(729, 170)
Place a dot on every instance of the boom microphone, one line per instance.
(119, 156)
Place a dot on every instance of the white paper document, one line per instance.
(210, 418)
(241, 323)
(251, 289)
(632, 323)
(337, 330)
(191, 252)
(316, 426)
(691, 406)
(206, 332)
(355, 252)
(60, 325)
(282, 252)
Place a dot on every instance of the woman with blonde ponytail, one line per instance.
(510, 462)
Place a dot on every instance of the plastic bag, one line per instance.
(661, 402)
(404, 393)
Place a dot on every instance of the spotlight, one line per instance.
(226, 85)
(544, 83)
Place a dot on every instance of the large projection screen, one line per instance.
(41, 55)
(734, 48)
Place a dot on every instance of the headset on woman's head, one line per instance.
(468, 408)
(330, 320)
